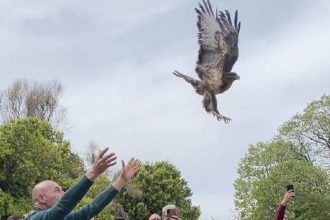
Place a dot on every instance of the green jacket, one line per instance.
(62, 210)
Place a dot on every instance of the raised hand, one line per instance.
(288, 196)
(126, 174)
(172, 217)
(101, 164)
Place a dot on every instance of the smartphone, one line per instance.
(289, 187)
(171, 212)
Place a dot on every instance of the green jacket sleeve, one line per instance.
(96, 206)
(69, 200)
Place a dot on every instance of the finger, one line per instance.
(122, 164)
(105, 161)
(130, 161)
(111, 160)
(102, 153)
(135, 170)
(111, 164)
(136, 167)
(108, 157)
(134, 161)
(132, 164)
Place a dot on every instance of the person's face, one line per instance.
(154, 217)
(52, 193)
(285, 217)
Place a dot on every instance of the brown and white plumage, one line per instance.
(218, 52)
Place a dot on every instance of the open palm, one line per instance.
(128, 171)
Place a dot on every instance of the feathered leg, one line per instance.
(194, 82)
(210, 105)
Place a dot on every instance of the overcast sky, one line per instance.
(115, 60)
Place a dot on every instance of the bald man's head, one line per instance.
(45, 194)
(154, 217)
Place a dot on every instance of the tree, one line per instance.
(267, 169)
(6, 203)
(309, 132)
(25, 99)
(31, 151)
(290, 158)
(155, 186)
(91, 154)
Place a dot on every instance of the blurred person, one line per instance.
(170, 212)
(154, 217)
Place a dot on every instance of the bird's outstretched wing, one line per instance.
(218, 39)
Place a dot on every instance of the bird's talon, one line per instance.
(226, 119)
(221, 117)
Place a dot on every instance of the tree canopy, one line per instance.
(309, 132)
(156, 185)
(298, 156)
(31, 99)
(30, 152)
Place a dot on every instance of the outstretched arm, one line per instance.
(77, 191)
(280, 212)
(103, 199)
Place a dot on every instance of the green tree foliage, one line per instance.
(155, 186)
(309, 132)
(6, 203)
(292, 157)
(30, 152)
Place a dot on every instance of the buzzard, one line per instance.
(218, 52)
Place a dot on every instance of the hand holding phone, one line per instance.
(171, 212)
(289, 195)
(289, 188)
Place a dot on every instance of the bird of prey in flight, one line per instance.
(218, 52)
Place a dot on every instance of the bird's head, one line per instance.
(231, 76)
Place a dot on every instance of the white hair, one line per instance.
(165, 208)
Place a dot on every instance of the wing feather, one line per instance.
(228, 17)
(218, 39)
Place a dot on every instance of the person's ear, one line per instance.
(42, 199)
